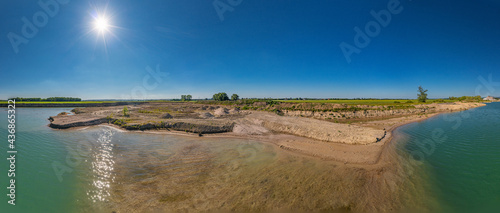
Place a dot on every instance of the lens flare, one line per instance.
(101, 24)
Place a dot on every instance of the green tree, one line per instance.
(235, 97)
(125, 111)
(221, 96)
(186, 97)
(422, 96)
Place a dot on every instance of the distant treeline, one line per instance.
(467, 98)
(60, 99)
(341, 99)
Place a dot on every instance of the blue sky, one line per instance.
(260, 49)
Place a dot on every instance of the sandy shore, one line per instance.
(359, 143)
(355, 154)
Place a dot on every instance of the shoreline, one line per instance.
(390, 138)
(368, 154)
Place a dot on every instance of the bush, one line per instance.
(125, 111)
(272, 102)
(278, 112)
(77, 110)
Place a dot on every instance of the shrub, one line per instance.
(77, 110)
(272, 102)
(125, 111)
(278, 112)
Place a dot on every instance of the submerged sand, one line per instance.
(214, 174)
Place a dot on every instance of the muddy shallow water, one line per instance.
(147, 172)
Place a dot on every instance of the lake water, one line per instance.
(460, 159)
(100, 169)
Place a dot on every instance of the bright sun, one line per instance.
(101, 24)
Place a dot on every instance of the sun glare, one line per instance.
(101, 24)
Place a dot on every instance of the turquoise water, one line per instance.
(100, 169)
(37, 186)
(460, 156)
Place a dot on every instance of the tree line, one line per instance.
(60, 99)
(467, 98)
(222, 96)
(186, 97)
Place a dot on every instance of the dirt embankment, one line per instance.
(367, 113)
(216, 119)
(65, 121)
(313, 128)
(153, 117)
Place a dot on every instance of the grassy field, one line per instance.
(348, 102)
(365, 102)
(66, 102)
(84, 102)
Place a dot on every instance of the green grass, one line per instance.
(364, 102)
(171, 101)
(54, 102)
(348, 102)
(66, 102)
(157, 110)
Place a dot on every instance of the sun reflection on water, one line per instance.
(102, 168)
